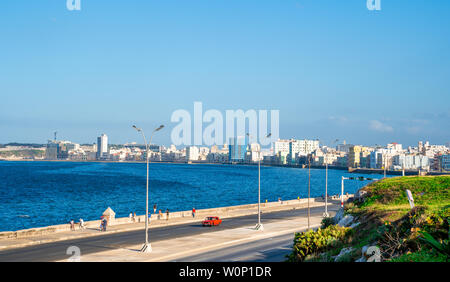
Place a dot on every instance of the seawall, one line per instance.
(155, 220)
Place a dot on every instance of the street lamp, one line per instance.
(147, 247)
(259, 226)
(325, 214)
(309, 186)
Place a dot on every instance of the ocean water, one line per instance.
(36, 194)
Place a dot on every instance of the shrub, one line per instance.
(310, 243)
(439, 245)
(327, 221)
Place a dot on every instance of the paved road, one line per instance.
(57, 250)
(273, 249)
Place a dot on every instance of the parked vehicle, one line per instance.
(211, 221)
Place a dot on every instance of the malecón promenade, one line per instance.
(181, 236)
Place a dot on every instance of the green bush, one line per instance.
(327, 221)
(440, 246)
(311, 242)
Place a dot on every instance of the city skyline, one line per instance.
(344, 72)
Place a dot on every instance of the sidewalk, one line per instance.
(169, 250)
(90, 232)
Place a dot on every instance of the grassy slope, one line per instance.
(387, 221)
(432, 192)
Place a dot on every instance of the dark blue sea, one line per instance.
(36, 194)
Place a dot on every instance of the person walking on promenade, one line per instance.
(167, 214)
(105, 223)
(82, 224)
(131, 216)
(154, 208)
(159, 214)
(134, 217)
(72, 225)
(193, 212)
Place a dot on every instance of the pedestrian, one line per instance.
(159, 214)
(101, 224)
(131, 217)
(154, 208)
(82, 224)
(134, 217)
(105, 222)
(193, 212)
(167, 214)
(72, 225)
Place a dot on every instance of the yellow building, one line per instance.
(354, 155)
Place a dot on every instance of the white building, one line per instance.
(292, 148)
(281, 146)
(192, 153)
(102, 146)
(410, 162)
(253, 153)
(394, 148)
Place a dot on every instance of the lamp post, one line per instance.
(259, 226)
(385, 161)
(325, 214)
(309, 186)
(147, 247)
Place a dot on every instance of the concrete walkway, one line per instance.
(9, 243)
(173, 249)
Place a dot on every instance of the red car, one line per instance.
(211, 221)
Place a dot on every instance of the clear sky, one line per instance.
(332, 68)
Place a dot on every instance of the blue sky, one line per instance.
(332, 68)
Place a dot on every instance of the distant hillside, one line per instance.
(20, 154)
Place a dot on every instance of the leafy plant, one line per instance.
(441, 246)
(313, 242)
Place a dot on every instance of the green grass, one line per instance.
(388, 196)
(387, 219)
(420, 256)
(431, 191)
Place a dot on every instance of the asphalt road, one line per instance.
(57, 250)
(273, 249)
